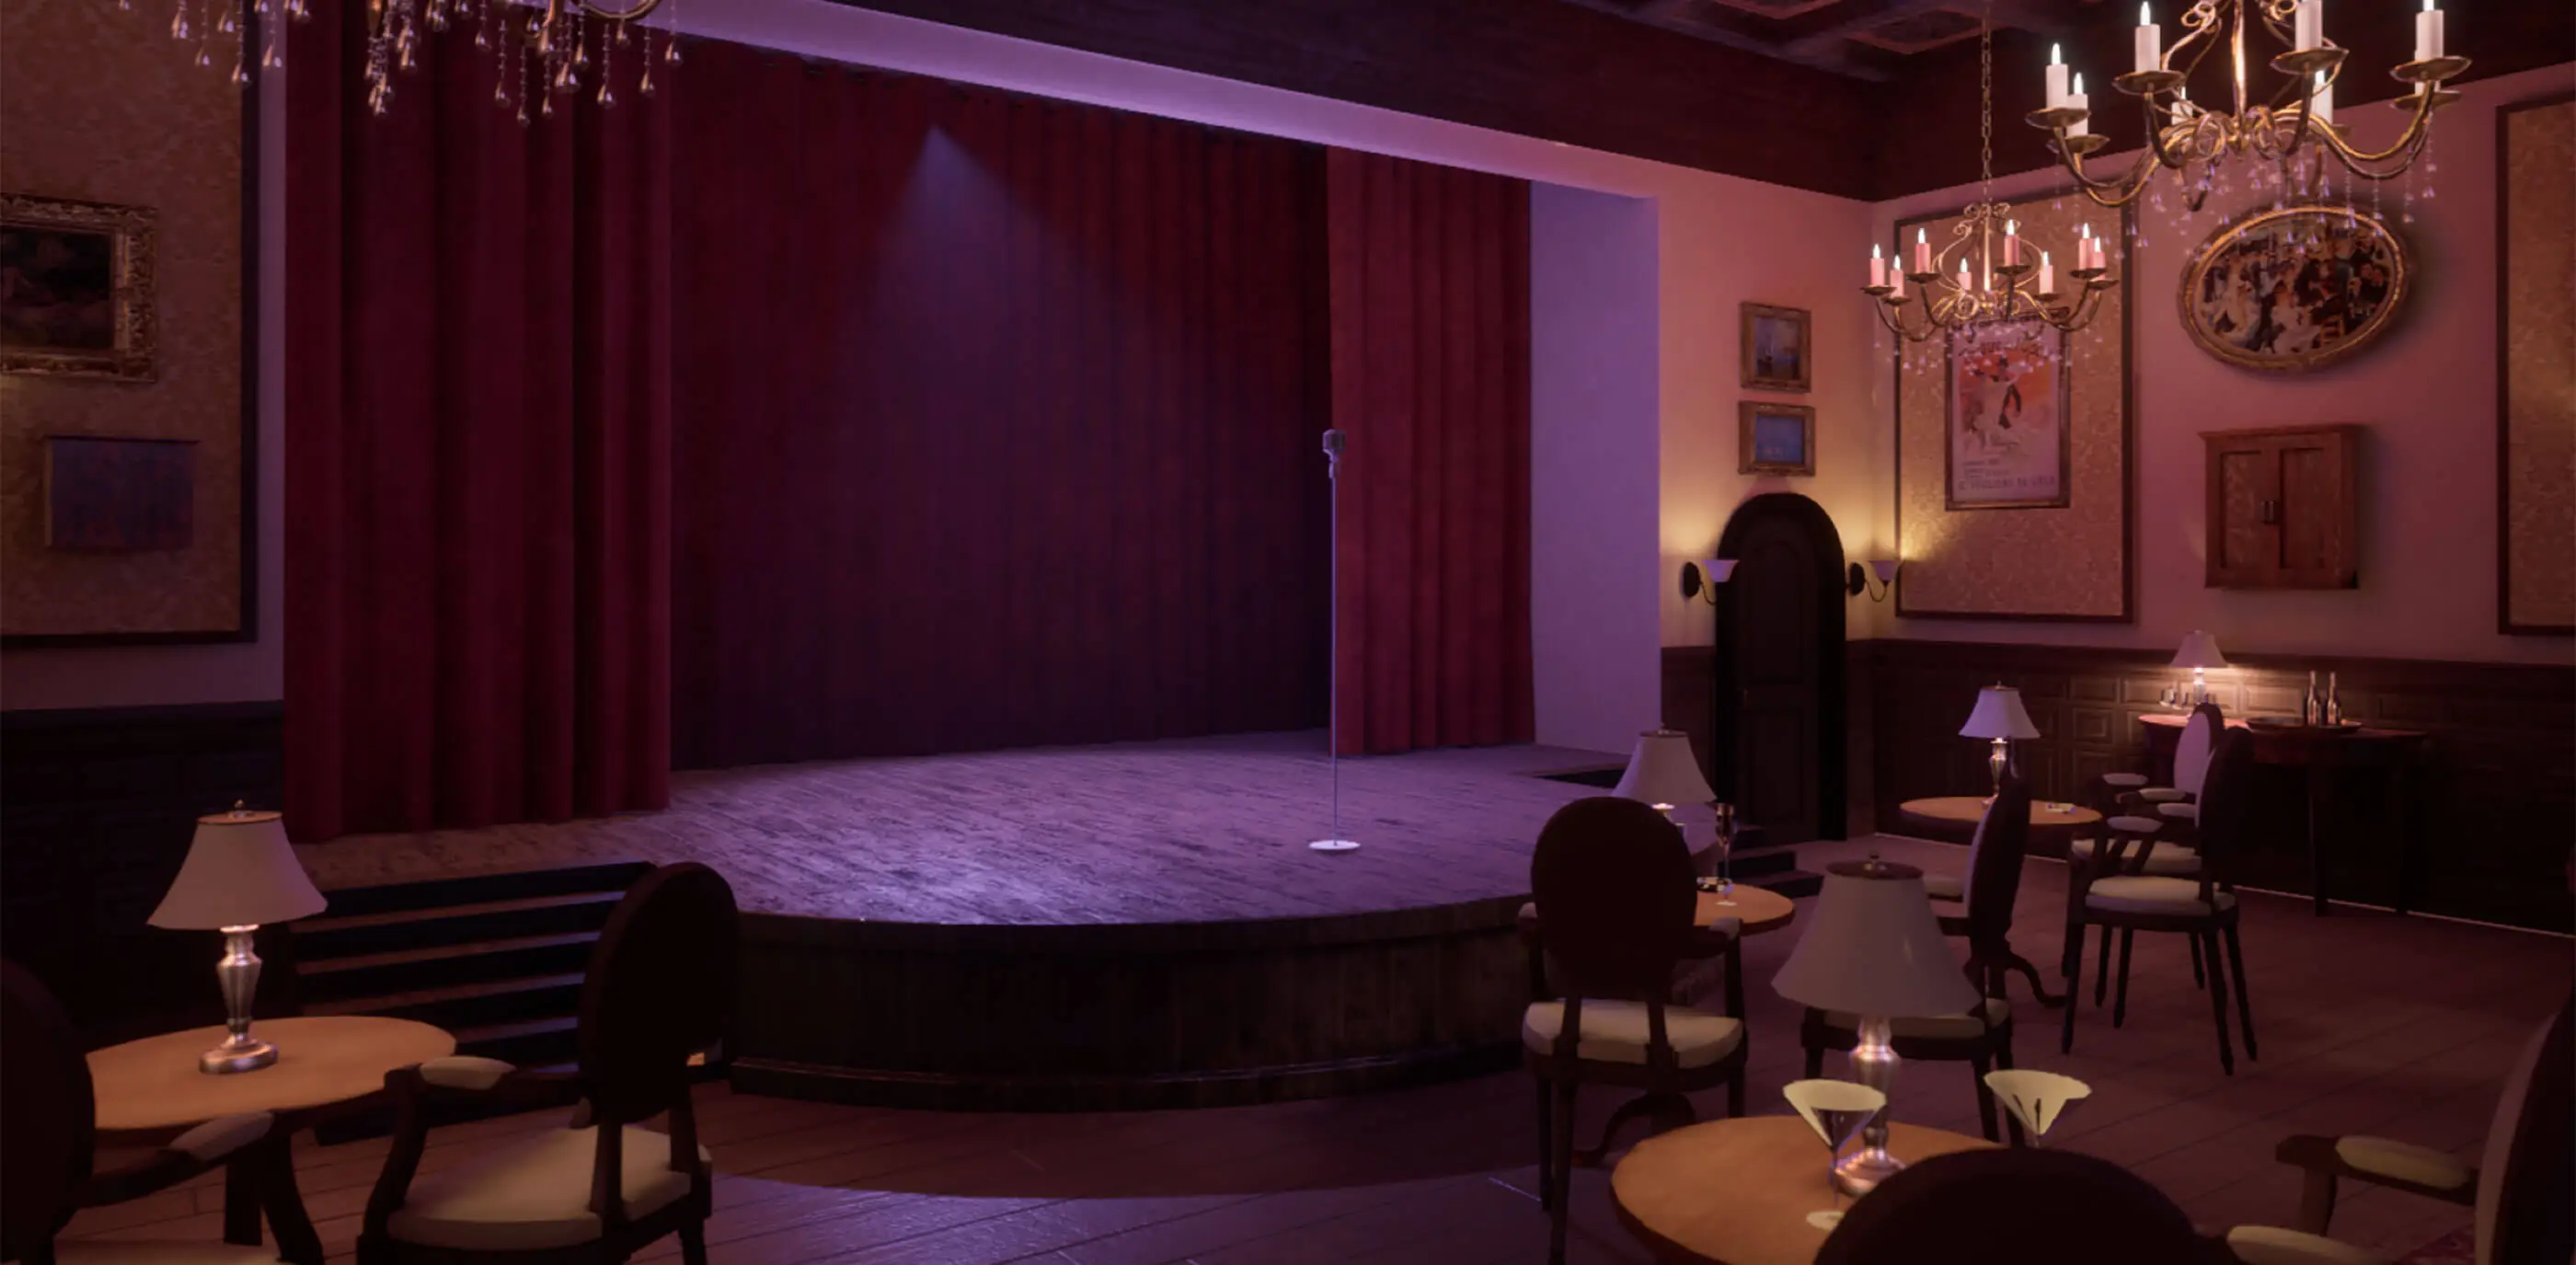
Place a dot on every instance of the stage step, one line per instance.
(397, 930)
(1758, 862)
(462, 1007)
(364, 975)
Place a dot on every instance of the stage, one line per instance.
(1127, 925)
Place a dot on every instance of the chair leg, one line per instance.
(2074, 989)
(1563, 1163)
(2004, 1060)
(2317, 1201)
(1735, 1093)
(2120, 1002)
(693, 1244)
(2198, 980)
(1979, 1066)
(1546, 1144)
(2218, 1006)
(2102, 970)
(2244, 998)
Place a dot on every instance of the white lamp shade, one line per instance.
(240, 872)
(1873, 948)
(2199, 650)
(1717, 570)
(1885, 569)
(1664, 771)
(1999, 714)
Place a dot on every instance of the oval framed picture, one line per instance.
(2295, 288)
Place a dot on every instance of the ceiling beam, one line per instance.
(1702, 21)
(1825, 29)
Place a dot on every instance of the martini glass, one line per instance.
(2035, 1098)
(1837, 1111)
(1725, 844)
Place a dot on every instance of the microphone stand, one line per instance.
(1333, 440)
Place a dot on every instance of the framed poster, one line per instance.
(2005, 406)
(1775, 438)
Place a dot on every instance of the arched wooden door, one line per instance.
(1778, 746)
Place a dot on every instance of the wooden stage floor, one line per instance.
(1185, 831)
(2368, 1023)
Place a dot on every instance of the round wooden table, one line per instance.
(1759, 908)
(1737, 1192)
(1955, 818)
(151, 1089)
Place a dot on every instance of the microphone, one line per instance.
(1333, 443)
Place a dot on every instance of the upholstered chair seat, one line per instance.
(2179, 811)
(1615, 1032)
(536, 1194)
(2272, 1245)
(2152, 894)
(1964, 1026)
(2124, 781)
(2405, 1162)
(1945, 886)
(2167, 859)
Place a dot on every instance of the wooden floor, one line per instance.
(1192, 830)
(2367, 1023)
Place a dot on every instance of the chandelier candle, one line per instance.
(2321, 106)
(1877, 269)
(2057, 72)
(2428, 33)
(2308, 25)
(1922, 253)
(2047, 275)
(2151, 41)
(2012, 243)
(2076, 100)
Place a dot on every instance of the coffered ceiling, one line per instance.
(1864, 39)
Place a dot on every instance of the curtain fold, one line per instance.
(1005, 436)
(478, 421)
(1430, 382)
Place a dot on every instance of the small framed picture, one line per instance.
(76, 288)
(1775, 348)
(1775, 438)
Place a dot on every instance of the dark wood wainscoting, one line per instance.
(96, 810)
(2495, 796)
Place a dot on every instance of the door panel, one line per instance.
(1778, 772)
(2246, 549)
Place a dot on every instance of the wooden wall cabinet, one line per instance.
(2285, 507)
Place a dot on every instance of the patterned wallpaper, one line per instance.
(2064, 563)
(99, 103)
(2540, 366)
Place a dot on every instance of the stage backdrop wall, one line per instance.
(997, 420)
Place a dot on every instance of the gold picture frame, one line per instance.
(1775, 448)
(79, 296)
(2296, 288)
(1779, 346)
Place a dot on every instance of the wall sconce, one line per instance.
(1700, 579)
(1855, 580)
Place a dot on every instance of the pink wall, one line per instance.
(2427, 392)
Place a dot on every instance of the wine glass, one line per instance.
(1837, 1111)
(1725, 844)
(2035, 1098)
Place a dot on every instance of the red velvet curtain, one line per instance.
(1430, 381)
(477, 451)
(997, 420)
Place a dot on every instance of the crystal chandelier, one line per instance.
(539, 50)
(2295, 129)
(1986, 272)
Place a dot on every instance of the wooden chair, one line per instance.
(2190, 765)
(1983, 1040)
(2519, 1188)
(2017, 1207)
(660, 990)
(1616, 903)
(49, 1149)
(2121, 899)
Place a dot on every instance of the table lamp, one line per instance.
(1874, 950)
(1999, 716)
(2199, 653)
(240, 874)
(1663, 771)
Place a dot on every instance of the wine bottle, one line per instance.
(2334, 701)
(2311, 708)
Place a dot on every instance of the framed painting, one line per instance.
(1776, 348)
(2006, 401)
(2296, 288)
(76, 288)
(1775, 438)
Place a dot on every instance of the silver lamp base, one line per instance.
(238, 972)
(1873, 1063)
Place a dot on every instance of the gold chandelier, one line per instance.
(1986, 272)
(538, 51)
(2295, 128)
